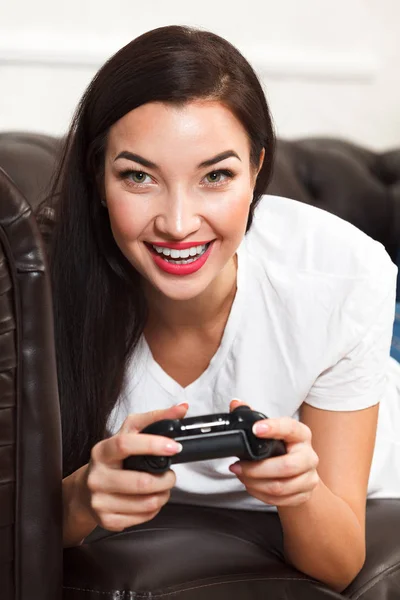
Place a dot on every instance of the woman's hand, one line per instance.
(287, 480)
(119, 498)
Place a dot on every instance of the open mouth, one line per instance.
(179, 257)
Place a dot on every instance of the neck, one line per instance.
(197, 312)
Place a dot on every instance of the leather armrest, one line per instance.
(189, 552)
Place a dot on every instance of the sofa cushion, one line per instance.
(198, 552)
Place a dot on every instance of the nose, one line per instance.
(179, 217)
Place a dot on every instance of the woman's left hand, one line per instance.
(287, 480)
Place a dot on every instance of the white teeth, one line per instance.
(181, 254)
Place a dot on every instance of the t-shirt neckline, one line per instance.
(231, 328)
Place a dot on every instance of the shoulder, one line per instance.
(304, 239)
(320, 271)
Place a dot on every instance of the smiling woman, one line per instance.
(173, 283)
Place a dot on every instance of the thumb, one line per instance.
(136, 422)
(235, 403)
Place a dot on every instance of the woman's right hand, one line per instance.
(119, 498)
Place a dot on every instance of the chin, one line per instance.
(180, 291)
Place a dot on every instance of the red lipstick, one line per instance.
(181, 269)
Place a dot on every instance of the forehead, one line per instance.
(196, 127)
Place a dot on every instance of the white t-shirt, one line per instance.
(311, 321)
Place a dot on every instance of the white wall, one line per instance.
(329, 67)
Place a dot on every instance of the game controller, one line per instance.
(208, 437)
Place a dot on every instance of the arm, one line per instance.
(325, 536)
(78, 522)
(320, 500)
(320, 487)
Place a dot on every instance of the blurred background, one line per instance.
(329, 68)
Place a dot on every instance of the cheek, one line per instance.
(124, 226)
(128, 217)
(230, 216)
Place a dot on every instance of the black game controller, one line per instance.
(207, 437)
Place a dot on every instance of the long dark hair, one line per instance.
(99, 308)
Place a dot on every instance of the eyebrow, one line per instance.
(150, 165)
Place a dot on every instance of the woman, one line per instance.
(172, 300)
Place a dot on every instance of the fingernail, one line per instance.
(173, 447)
(236, 468)
(261, 428)
(183, 404)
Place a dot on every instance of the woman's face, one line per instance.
(178, 187)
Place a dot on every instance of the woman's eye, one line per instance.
(136, 177)
(218, 176)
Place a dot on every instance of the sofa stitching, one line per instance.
(374, 581)
(143, 595)
(220, 533)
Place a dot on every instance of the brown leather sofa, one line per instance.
(185, 552)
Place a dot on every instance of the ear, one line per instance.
(261, 161)
(260, 164)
